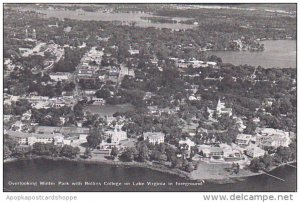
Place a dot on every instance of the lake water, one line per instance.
(277, 53)
(125, 18)
(65, 171)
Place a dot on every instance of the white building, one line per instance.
(210, 151)
(221, 109)
(188, 144)
(105, 148)
(98, 101)
(133, 52)
(116, 135)
(255, 152)
(270, 137)
(31, 138)
(82, 138)
(154, 137)
(59, 76)
(36, 99)
(243, 139)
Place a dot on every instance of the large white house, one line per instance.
(154, 137)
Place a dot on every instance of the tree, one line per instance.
(156, 155)
(267, 160)
(250, 129)
(69, 151)
(176, 162)
(284, 153)
(95, 138)
(78, 109)
(48, 149)
(128, 154)
(143, 151)
(6, 152)
(114, 151)
(87, 153)
(189, 167)
(10, 143)
(103, 93)
(22, 151)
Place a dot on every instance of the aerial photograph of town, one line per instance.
(149, 97)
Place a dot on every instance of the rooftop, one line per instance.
(63, 130)
(153, 135)
(38, 135)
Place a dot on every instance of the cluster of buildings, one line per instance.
(245, 146)
(265, 138)
(73, 136)
(183, 64)
(45, 102)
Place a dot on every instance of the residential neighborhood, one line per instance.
(123, 93)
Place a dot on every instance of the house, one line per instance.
(31, 138)
(182, 65)
(58, 140)
(148, 95)
(25, 52)
(7, 118)
(154, 137)
(67, 142)
(98, 101)
(67, 29)
(231, 152)
(85, 73)
(153, 110)
(90, 92)
(186, 144)
(212, 64)
(268, 102)
(113, 72)
(40, 105)
(255, 152)
(243, 139)
(133, 52)
(60, 76)
(58, 104)
(195, 63)
(18, 126)
(105, 148)
(210, 151)
(36, 99)
(82, 138)
(240, 124)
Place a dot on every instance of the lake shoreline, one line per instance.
(159, 168)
